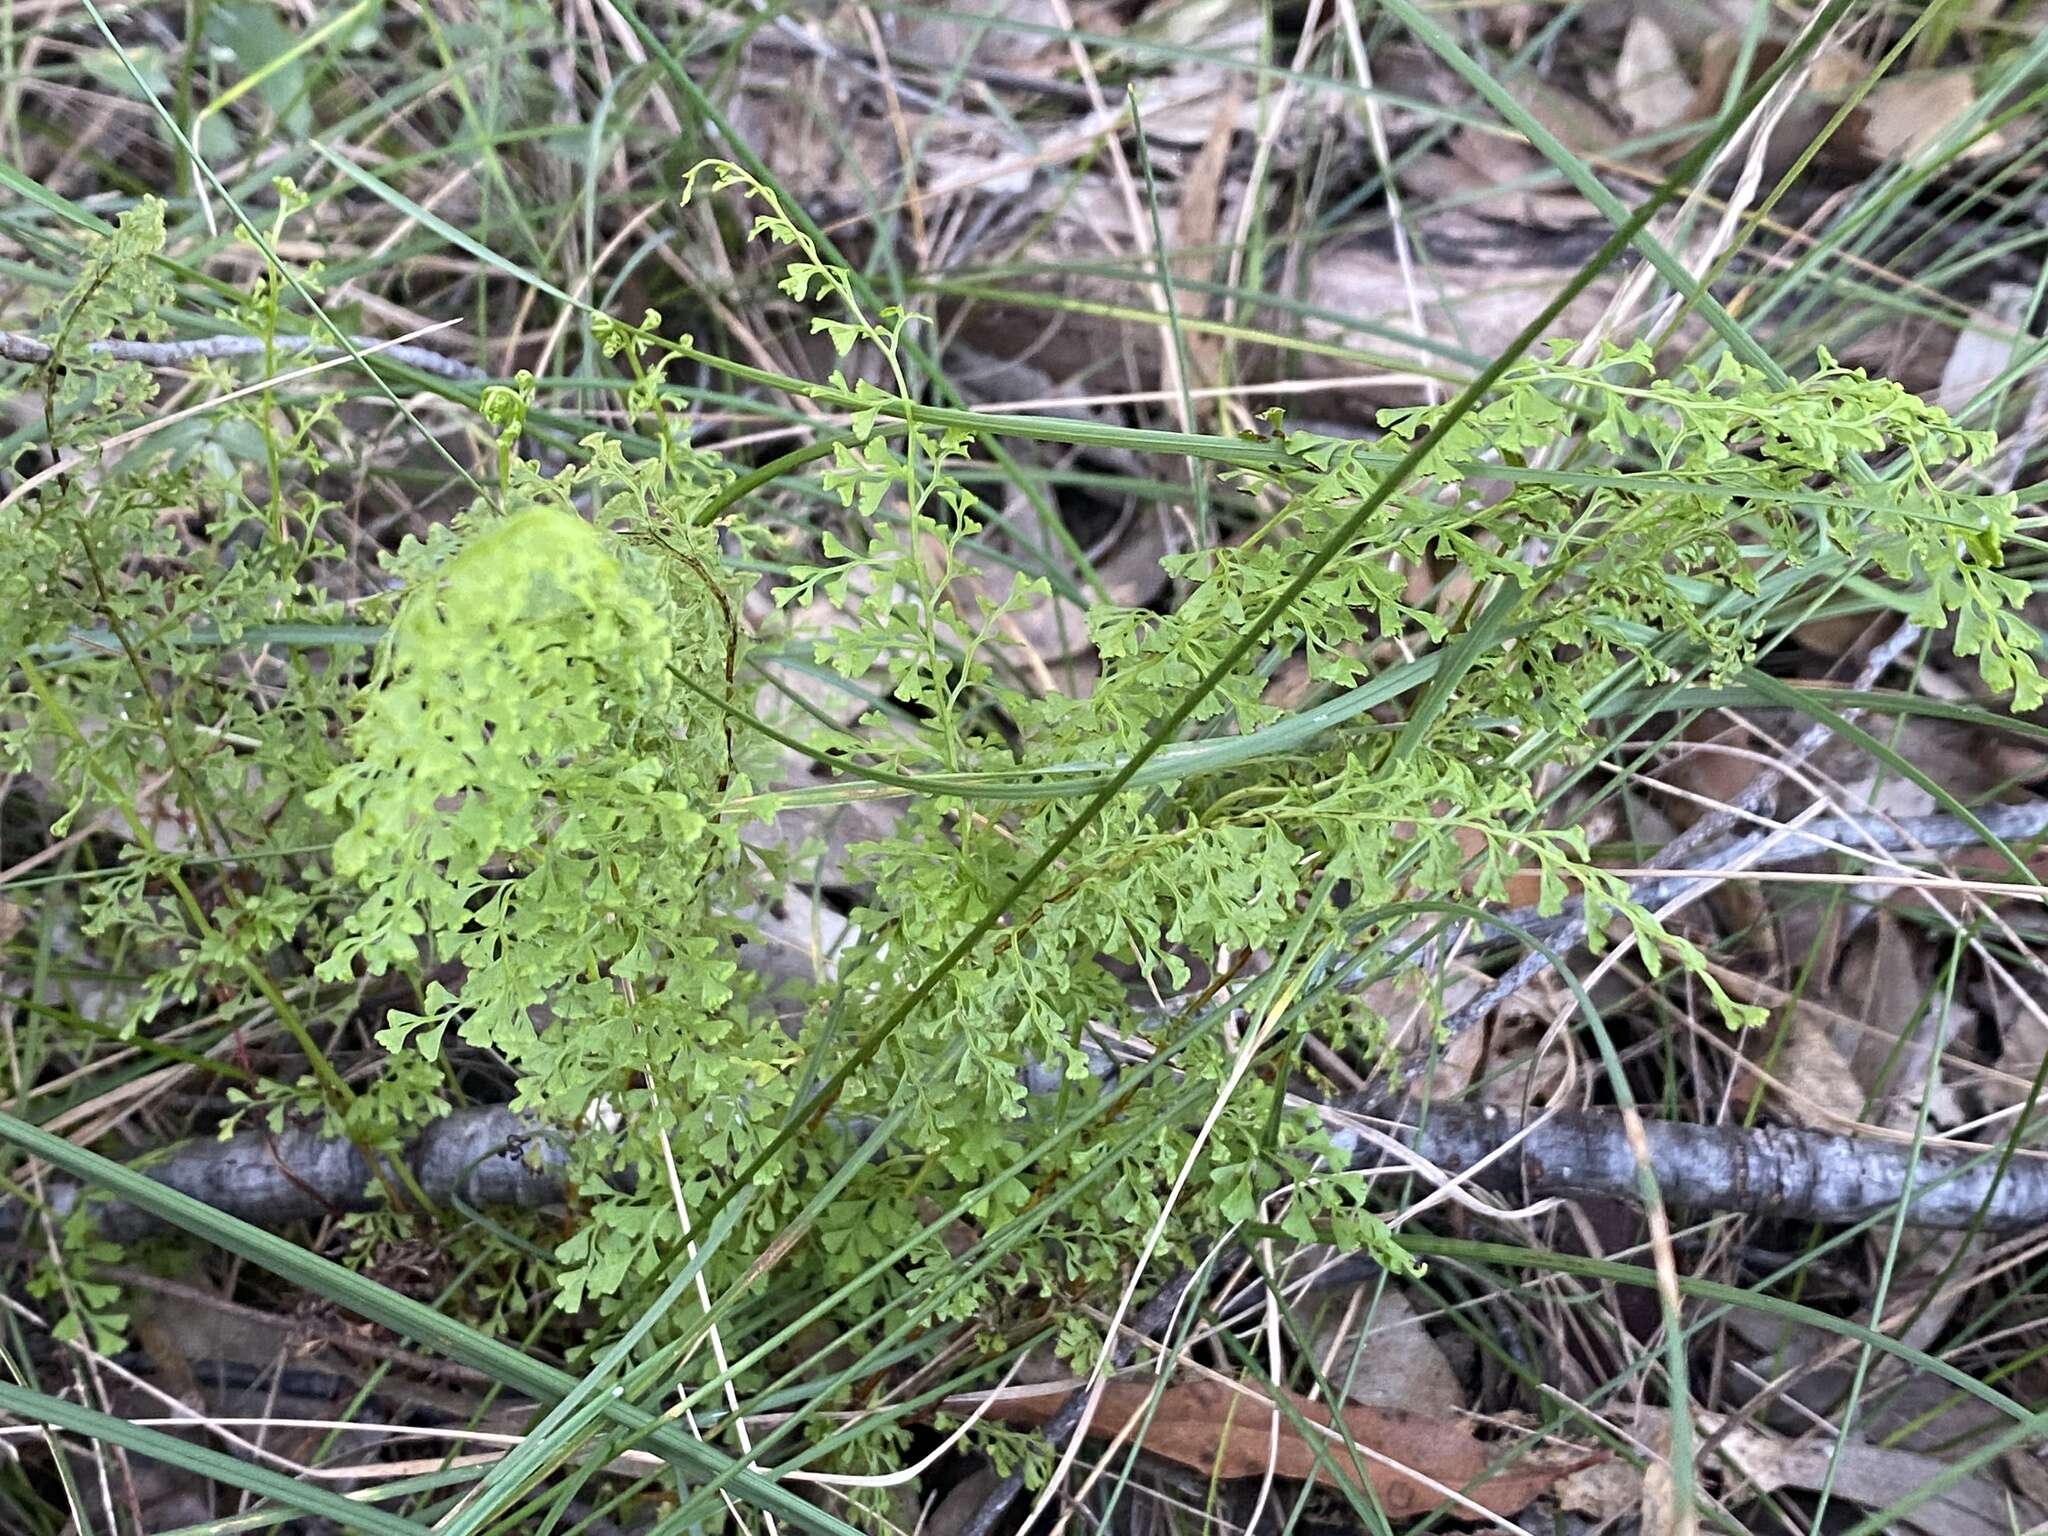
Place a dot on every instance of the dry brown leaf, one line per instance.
(1524, 887)
(1211, 1428)
(1813, 1085)
(1650, 88)
(2003, 760)
(2022, 1042)
(1922, 1413)
(1908, 115)
(1985, 347)
(1833, 70)
(962, 1503)
(1484, 305)
(1396, 1364)
(1601, 1493)
(1013, 34)
(1515, 1062)
(1835, 638)
(1836, 70)
(1748, 1461)
(1810, 1021)
(1969, 764)
(1981, 864)
(2003, 1082)
(1576, 123)
(1410, 1001)
(1726, 758)
(1201, 192)
(1872, 1476)
(1886, 981)
(1657, 1509)
(1290, 685)
(1496, 178)
(1885, 796)
(1195, 219)
(1718, 56)
(2027, 1473)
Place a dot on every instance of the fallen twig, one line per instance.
(492, 1157)
(18, 348)
(487, 1157)
(1774, 847)
(1775, 1172)
(1685, 850)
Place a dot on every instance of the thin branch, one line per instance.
(1774, 1172)
(18, 348)
(492, 1157)
(1775, 847)
(1690, 847)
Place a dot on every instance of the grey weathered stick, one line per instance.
(493, 1157)
(1823, 838)
(489, 1156)
(1777, 1172)
(18, 348)
(1686, 847)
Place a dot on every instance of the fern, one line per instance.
(545, 809)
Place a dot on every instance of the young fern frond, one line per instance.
(545, 809)
(1640, 554)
